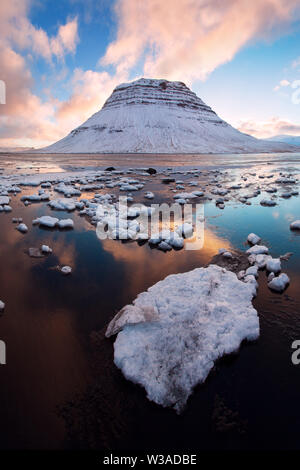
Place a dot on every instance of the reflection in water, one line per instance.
(50, 319)
(143, 266)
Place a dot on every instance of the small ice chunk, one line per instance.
(258, 250)
(45, 221)
(63, 204)
(268, 202)
(261, 261)
(251, 280)
(227, 255)
(295, 225)
(252, 271)
(279, 283)
(185, 230)
(273, 265)
(4, 200)
(271, 277)
(65, 223)
(176, 242)
(253, 239)
(164, 246)
(66, 270)
(46, 249)
(22, 228)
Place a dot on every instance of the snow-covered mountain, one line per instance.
(158, 116)
(287, 139)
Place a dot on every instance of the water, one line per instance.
(60, 388)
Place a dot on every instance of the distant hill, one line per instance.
(287, 139)
(15, 149)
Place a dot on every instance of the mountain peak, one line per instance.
(158, 116)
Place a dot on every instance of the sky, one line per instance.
(61, 59)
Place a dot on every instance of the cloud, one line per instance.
(175, 39)
(66, 39)
(296, 63)
(90, 89)
(274, 126)
(25, 117)
(16, 30)
(282, 83)
(188, 39)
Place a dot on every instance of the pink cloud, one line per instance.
(183, 40)
(25, 117)
(273, 126)
(190, 38)
(90, 90)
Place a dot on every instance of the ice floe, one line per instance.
(173, 333)
(279, 283)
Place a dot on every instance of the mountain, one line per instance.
(158, 116)
(287, 139)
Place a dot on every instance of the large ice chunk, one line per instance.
(174, 332)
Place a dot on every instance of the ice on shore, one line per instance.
(174, 332)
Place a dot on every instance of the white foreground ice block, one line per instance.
(170, 337)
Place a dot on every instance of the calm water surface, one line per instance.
(60, 388)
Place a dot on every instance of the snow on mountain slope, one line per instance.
(158, 116)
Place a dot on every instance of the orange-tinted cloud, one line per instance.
(274, 126)
(90, 90)
(174, 39)
(190, 38)
(25, 118)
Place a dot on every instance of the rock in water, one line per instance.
(174, 332)
(158, 116)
